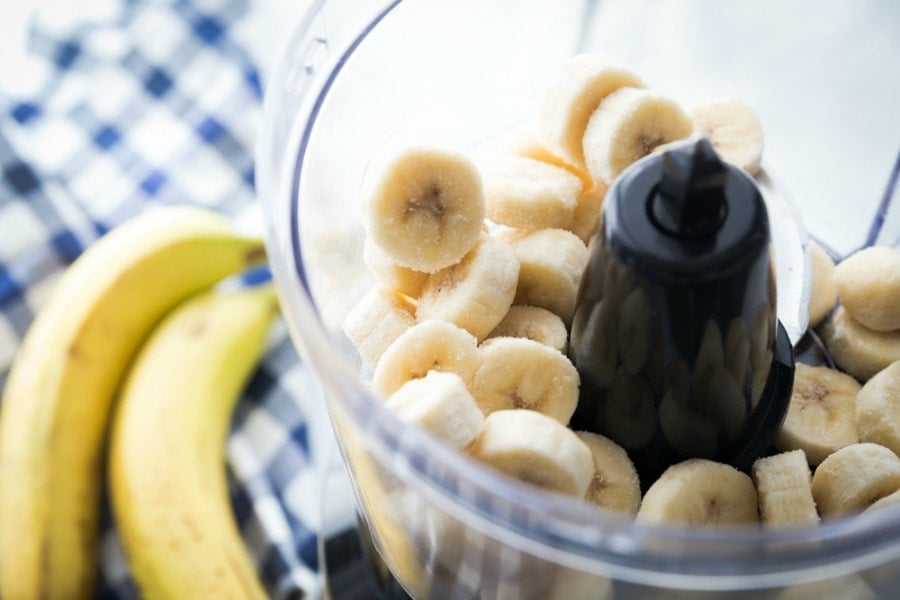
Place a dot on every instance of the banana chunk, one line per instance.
(734, 129)
(821, 416)
(700, 493)
(408, 282)
(823, 294)
(856, 349)
(573, 95)
(868, 285)
(378, 319)
(534, 323)
(878, 409)
(784, 487)
(427, 346)
(476, 293)
(628, 125)
(425, 206)
(520, 373)
(536, 449)
(529, 194)
(440, 404)
(586, 220)
(615, 485)
(854, 478)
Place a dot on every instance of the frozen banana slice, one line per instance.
(700, 493)
(408, 282)
(534, 323)
(823, 293)
(628, 414)
(522, 373)
(889, 500)
(857, 349)
(424, 206)
(586, 220)
(427, 346)
(878, 409)
(734, 129)
(526, 193)
(853, 478)
(615, 485)
(784, 486)
(628, 125)
(573, 95)
(821, 415)
(476, 293)
(379, 318)
(440, 404)
(551, 262)
(536, 449)
(868, 285)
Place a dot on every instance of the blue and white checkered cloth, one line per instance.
(152, 103)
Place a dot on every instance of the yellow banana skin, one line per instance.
(58, 397)
(167, 470)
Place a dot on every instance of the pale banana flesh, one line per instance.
(61, 387)
(167, 467)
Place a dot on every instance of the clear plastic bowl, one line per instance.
(359, 74)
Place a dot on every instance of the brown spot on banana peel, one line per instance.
(255, 255)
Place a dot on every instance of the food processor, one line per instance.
(358, 75)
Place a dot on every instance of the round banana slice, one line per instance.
(425, 206)
(536, 449)
(868, 285)
(586, 220)
(853, 478)
(878, 409)
(700, 493)
(427, 346)
(857, 349)
(823, 294)
(476, 293)
(628, 125)
(615, 485)
(534, 323)
(784, 486)
(378, 319)
(408, 282)
(529, 194)
(734, 129)
(889, 500)
(551, 262)
(440, 404)
(522, 373)
(573, 95)
(821, 416)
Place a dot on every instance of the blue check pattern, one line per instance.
(157, 103)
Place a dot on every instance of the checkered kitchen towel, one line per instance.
(141, 103)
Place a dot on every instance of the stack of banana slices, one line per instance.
(478, 263)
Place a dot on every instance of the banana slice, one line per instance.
(425, 206)
(529, 194)
(440, 404)
(821, 416)
(522, 373)
(700, 493)
(551, 262)
(408, 282)
(868, 285)
(378, 319)
(857, 349)
(878, 409)
(615, 485)
(823, 294)
(427, 346)
(586, 220)
(853, 478)
(573, 95)
(889, 500)
(784, 486)
(534, 323)
(628, 125)
(536, 449)
(628, 415)
(733, 128)
(476, 293)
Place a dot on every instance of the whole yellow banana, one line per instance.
(58, 396)
(167, 470)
